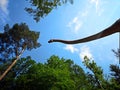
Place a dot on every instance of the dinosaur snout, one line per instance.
(50, 41)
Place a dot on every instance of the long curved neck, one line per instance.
(110, 30)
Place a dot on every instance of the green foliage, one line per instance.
(115, 73)
(97, 77)
(56, 74)
(59, 74)
(41, 8)
(97, 80)
(52, 75)
(117, 53)
(14, 39)
(21, 67)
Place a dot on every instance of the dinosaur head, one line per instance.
(50, 41)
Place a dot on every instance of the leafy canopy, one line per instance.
(14, 39)
(59, 74)
(41, 8)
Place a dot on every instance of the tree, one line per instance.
(117, 53)
(115, 72)
(56, 74)
(14, 41)
(115, 77)
(41, 8)
(20, 68)
(97, 77)
(59, 74)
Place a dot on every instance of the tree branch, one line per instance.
(13, 63)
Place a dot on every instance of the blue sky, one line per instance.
(79, 20)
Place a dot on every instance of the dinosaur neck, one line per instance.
(110, 30)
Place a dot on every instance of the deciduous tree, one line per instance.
(14, 41)
(40, 8)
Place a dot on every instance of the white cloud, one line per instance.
(71, 48)
(85, 13)
(77, 27)
(4, 6)
(82, 52)
(97, 4)
(75, 24)
(75, 20)
(85, 51)
(4, 10)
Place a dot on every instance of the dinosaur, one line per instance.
(114, 28)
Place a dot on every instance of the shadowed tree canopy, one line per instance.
(14, 39)
(41, 8)
(59, 74)
(114, 28)
(56, 74)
